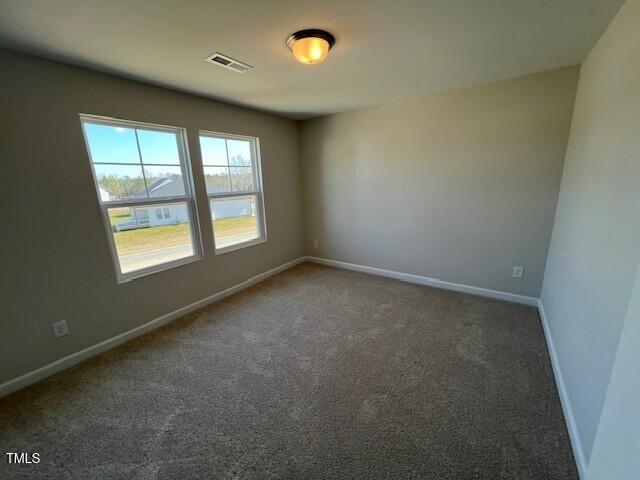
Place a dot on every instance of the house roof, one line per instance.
(165, 187)
(172, 187)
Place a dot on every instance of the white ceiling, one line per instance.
(386, 50)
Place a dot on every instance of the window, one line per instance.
(143, 179)
(162, 213)
(231, 166)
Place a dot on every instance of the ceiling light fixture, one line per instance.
(310, 46)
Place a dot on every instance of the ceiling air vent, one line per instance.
(228, 62)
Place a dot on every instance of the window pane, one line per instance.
(239, 152)
(164, 181)
(217, 179)
(120, 182)
(111, 144)
(214, 151)
(234, 220)
(241, 179)
(159, 147)
(144, 239)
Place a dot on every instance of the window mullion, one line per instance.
(144, 177)
(254, 167)
(136, 164)
(145, 201)
(226, 149)
(233, 194)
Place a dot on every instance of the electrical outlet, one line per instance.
(315, 244)
(518, 271)
(60, 329)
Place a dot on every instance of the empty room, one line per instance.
(278, 239)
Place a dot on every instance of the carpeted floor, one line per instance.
(316, 373)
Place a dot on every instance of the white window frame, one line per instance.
(188, 198)
(258, 191)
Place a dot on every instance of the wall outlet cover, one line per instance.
(60, 329)
(518, 271)
(315, 244)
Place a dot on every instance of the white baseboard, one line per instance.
(77, 357)
(576, 443)
(431, 282)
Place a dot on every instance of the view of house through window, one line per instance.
(231, 170)
(144, 193)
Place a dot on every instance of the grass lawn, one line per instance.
(119, 215)
(153, 238)
(235, 225)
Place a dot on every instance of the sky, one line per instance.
(214, 152)
(117, 145)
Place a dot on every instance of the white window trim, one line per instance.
(259, 192)
(188, 198)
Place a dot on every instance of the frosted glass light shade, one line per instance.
(310, 46)
(310, 50)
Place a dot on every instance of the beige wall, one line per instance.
(615, 450)
(459, 186)
(595, 248)
(54, 257)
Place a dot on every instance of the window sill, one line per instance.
(127, 277)
(239, 246)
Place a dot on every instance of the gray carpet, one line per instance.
(315, 373)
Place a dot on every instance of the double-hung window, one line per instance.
(232, 175)
(145, 189)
